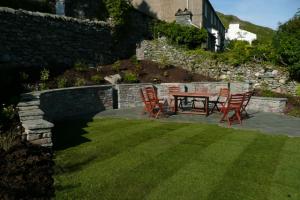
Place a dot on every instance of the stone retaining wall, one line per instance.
(39, 110)
(260, 75)
(128, 94)
(35, 39)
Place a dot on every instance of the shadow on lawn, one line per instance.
(69, 133)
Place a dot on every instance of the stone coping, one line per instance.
(270, 98)
(53, 16)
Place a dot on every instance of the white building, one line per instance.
(235, 33)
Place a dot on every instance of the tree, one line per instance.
(287, 45)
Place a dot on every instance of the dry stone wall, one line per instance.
(39, 110)
(129, 97)
(266, 76)
(35, 39)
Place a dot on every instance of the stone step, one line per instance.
(37, 124)
(36, 112)
(27, 108)
(30, 96)
(29, 103)
(30, 118)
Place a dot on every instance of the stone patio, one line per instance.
(268, 123)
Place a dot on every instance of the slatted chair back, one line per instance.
(236, 101)
(151, 94)
(173, 89)
(142, 95)
(224, 92)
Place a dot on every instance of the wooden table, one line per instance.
(204, 96)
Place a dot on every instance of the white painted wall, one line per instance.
(235, 33)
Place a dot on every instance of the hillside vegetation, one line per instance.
(263, 33)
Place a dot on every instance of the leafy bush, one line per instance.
(130, 77)
(80, 66)
(116, 66)
(80, 82)
(45, 74)
(97, 78)
(118, 10)
(31, 5)
(188, 36)
(298, 90)
(62, 82)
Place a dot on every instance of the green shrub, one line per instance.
(116, 66)
(298, 90)
(188, 36)
(80, 66)
(62, 82)
(97, 78)
(44, 77)
(79, 82)
(130, 77)
(118, 10)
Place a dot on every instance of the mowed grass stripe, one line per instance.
(286, 181)
(103, 147)
(139, 181)
(198, 178)
(96, 174)
(250, 176)
(69, 134)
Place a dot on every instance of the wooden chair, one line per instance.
(147, 104)
(202, 91)
(248, 96)
(155, 107)
(221, 99)
(171, 100)
(234, 104)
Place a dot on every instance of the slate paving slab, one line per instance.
(268, 123)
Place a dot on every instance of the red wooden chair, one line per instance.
(234, 104)
(221, 100)
(171, 100)
(248, 96)
(147, 104)
(154, 106)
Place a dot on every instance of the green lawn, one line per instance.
(144, 159)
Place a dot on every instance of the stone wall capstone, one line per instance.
(39, 110)
(35, 39)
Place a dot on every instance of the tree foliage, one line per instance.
(118, 10)
(188, 36)
(287, 44)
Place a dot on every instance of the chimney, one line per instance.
(184, 17)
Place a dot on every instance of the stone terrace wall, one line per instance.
(128, 94)
(35, 39)
(38, 110)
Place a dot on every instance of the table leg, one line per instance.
(206, 106)
(175, 104)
